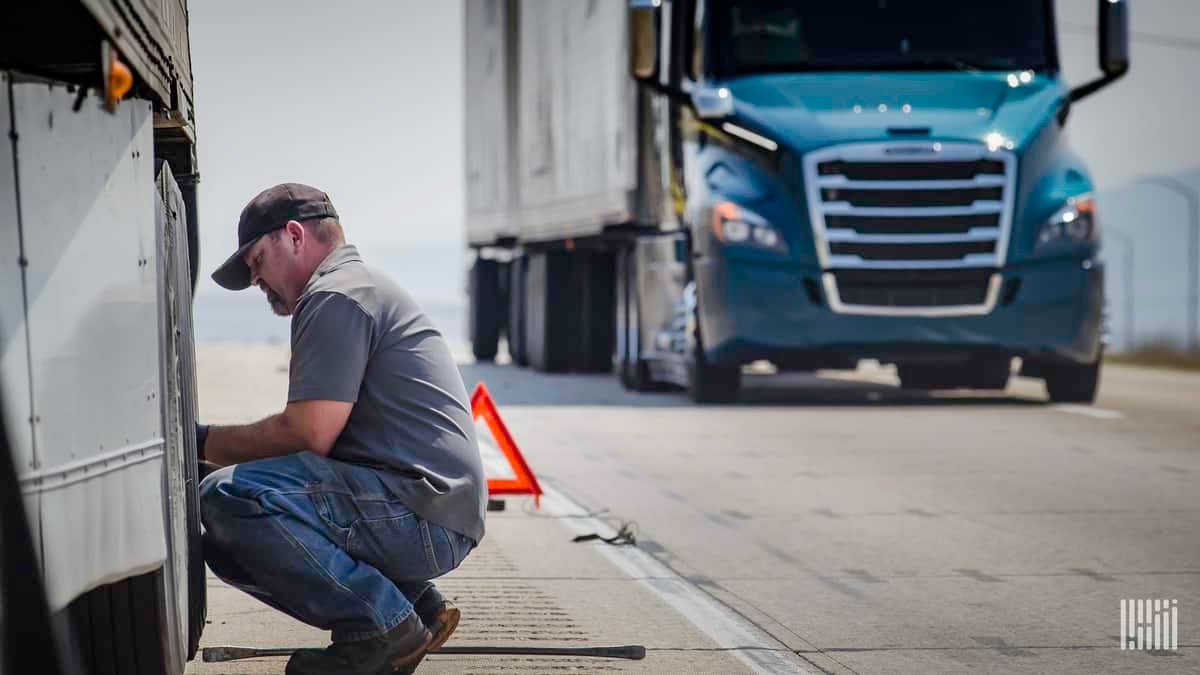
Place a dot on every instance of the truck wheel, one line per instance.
(1072, 383)
(595, 300)
(516, 312)
(709, 382)
(548, 311)
(185, 571)
(123, 628)
(485, 309)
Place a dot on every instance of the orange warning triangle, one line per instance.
(523, 482)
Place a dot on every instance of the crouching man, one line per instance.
(339, 510)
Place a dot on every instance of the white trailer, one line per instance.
(550, 147)
(552, 169)
(97, 373)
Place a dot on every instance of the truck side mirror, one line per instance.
(643, 39)
(1114, 37)
(1114, 51)
(645, 49)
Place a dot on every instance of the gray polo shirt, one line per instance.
(358, 337)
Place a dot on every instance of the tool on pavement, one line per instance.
(631, 652)
(625, 536)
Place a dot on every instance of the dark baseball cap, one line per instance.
(269, 211)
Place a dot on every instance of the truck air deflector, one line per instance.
(901, 211)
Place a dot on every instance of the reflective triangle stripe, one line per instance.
(523, 482)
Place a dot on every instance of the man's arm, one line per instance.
(302, 426)
(331, 344)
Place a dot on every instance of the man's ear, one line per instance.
(295, 233)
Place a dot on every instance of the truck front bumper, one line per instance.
(752, 310)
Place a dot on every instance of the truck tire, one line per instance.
(120, 628)
(516, 312)
(709, 382)
(486, 302)
(1072, 383)
(548, 311)
(594, 330)
(185, 570)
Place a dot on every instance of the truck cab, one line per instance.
(865, 179)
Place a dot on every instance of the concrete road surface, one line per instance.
(871, 530)
(879, 531)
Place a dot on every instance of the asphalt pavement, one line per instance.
(862, 528)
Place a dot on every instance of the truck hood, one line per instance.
(805, 111)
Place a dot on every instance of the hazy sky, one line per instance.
(1146, 122)
(364, 98)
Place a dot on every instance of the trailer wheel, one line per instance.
(186, 406)
(184, 572)
(122, 628)
(593, 277)
(548, 311)
(1072, 383)
(485, 308)
(516, 312)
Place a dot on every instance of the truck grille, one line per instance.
(930, 220)
(912, 288)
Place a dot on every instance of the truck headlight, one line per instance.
(1074, 223)
(736, 225)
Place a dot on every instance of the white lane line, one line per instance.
(758, 650)
(1089, 411)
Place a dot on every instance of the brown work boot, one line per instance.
(439, 614)
(400, 647)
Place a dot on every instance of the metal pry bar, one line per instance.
(631, 652)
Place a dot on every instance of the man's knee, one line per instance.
(222, 499)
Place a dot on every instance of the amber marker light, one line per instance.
(118, 79)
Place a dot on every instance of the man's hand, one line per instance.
(312, 426)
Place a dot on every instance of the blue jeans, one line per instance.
(323, 541)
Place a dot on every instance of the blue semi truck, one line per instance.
(678, 188)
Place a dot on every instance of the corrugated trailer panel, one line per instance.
(576, 118)
(551, 125)
(488, 133)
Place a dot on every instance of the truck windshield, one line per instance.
(757, 36)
